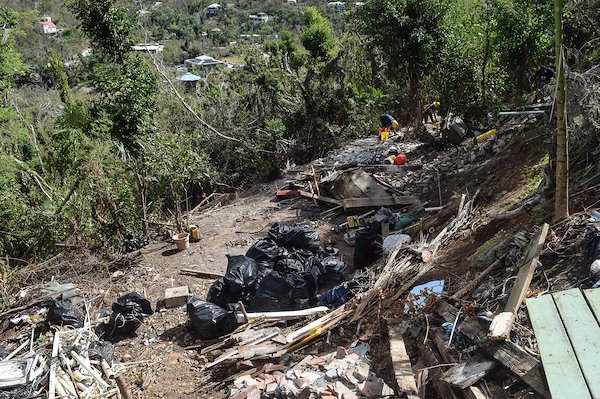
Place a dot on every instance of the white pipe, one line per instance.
(285, 315)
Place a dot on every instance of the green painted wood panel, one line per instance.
(563, 374)
(584, 334)
(593, 298)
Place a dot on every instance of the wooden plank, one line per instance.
(200, 273)
(519, 290)
(401, 363)
(584, 333)
(432, 360)
(511, 356)
(465, 374)
(319, 197)
(525, 274)
(593, 299)
(563, 374)
(501, 326)
(351, 203)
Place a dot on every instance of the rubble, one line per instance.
(340, 374)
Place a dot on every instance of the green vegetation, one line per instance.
(95, 141)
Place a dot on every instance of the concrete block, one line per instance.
(176, 296)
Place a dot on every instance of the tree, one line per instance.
(408, 36)
(521, 37)
(125, 81)
(561, 198)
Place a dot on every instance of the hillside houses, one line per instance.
(258, 19)
(46, 26)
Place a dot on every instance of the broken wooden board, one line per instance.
(465, 374)
(390, 200)
(562, 370)
(502, 326)
(511, 356)
(401, 364)
(319, 197)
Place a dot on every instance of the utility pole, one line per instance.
(561, 196)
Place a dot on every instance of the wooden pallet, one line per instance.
(568, 334)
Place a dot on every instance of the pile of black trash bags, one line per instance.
(283, 271)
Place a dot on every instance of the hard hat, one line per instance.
(394, 124)
(393, 150)
(436, 104)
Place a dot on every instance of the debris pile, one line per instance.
(343, 374)
(74, 364)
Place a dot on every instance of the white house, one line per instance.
(339, 5)
(151, 47)
(203, 61)
(291, 1)
(213, 10)
(46, 26)
(258, 19)
(359, 3)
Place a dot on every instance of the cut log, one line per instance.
(468, 373)
(401, 363)
(511, 356)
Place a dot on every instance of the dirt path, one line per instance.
(159, 366)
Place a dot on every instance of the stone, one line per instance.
(340, 388)
(375, 388)
(361, 372)
(332, 373)
(271, 388)
(341, 352)
(176, 296)
(349, 395)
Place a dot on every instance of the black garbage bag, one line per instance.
(278, 292)
(210, 321)
(218, 294)
(334, 269)
(241, 277)
(368, 247)
(342, 293)
(301, 237)
(266, 253)
(129, 311)
(61, 312)
(593, 247)
(290, 265)
(99, 350)
(130, 243)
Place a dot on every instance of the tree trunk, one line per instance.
(486, 53)
(561, 197)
